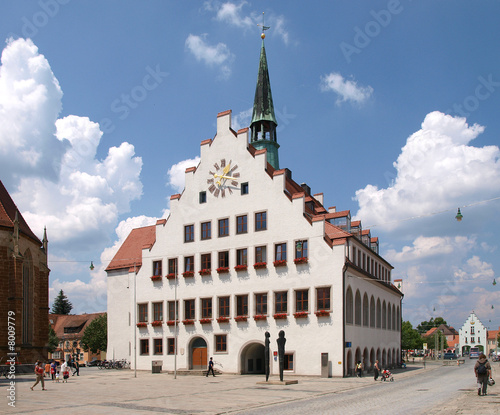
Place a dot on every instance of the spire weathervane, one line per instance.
(264, 28)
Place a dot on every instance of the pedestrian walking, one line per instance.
(39, 375)
(53, 369)
(376, 369)
(47, 369)
(482, 370)
(76, 366)
(210, 367)
(359, 369)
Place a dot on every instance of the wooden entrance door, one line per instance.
(199, 358)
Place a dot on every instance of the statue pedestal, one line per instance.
(279, 382)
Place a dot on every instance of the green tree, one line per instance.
(53, 340)
(410, 337)
(95, 336)
(425, 326)
(61, 304)
(431, 340)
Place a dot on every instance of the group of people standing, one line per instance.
(55, 371)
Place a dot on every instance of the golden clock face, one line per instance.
(223, 178)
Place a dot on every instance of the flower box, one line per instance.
(302, 260)
(206, 321)
(205, 272)
(172, 322)
(280, 316)
(188, 274)
(156, 323)
(142, 324)
(280, 263)
(259, 265)
(241, 267)
(259, 317)
(188, 322)
(301, 314)
(322, 313)
(170, 276)
(241, 318)
(223, 320)
(222, 270)
(156, 278)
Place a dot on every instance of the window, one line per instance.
(260, 304)
(349, 306)
(280, 252)
(158, 311)
(260, 254)
(241, 256)
(242, 305)
(143, 313)
(173, 310)
(241, 224)
(301, 249)
(157, 268)
(261, 221)
(203, 197)
(221, 343)
(171, 345)
(188, 263)
(223, 306)
(206, 308)
(323, 298)
(206, 261)
(189, 233)
(206, 230)
(158, 346)
(472, 331)
(288, 363)
(144, 346)
(281, 302)
(357, 308)
(244, 188)
(172, 266)
(188, 309)
(301, 300)
(223, 227)
(224, 259)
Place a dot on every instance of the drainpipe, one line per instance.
(344, 270)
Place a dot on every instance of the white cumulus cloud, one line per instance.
(346, 90)
(177, 173)
(219, 55)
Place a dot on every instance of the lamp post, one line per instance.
(135, 323)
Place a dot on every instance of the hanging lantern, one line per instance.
(459, 216)
(298, 246)
(494, 282)
(91, 265)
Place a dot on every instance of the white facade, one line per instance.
(342, 276)
(472, 334)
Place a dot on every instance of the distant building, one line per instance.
(472, 334)
(69, 329)
(24, 286)
(493, 341)
(449, 333)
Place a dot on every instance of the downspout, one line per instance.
(344, 269)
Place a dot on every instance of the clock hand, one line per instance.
(226, 169)
(225, 177)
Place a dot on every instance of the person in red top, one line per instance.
(39, 372)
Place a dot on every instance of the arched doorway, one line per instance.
(198, 353)
(252, 359)
(349, 370)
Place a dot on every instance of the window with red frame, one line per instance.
(206, 261)
(280, 252)
(171, 345)
(261, 304)
(323, 298)
(281, 302)
(143, 313)
(157, 268)
(260, 254)
(223, 306)
(158, 311)
(158, 346)
(172, 266)
(224, 259)
(261, 221)
(242, 305)
(301, 300)
(224, 227)
(221, 343)
(189, 309)
(206, 230)
(241, 224)
(206, 308)
(189, 233)
(144, 346)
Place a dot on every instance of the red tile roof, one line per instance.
(8, 211)
(76, 324)
(130, 253)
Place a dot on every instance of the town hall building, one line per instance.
(247, 250)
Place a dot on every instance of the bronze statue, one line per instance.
(266, 354)
(281, 352)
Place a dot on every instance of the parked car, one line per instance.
(450, 356)
(94, 363)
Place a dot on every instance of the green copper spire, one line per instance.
(263, 125)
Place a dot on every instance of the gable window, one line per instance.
(242, 305)
(281, 302)
(224, 259)
(172, 266)
(203, 197)
(260, 254)
(241, 256)
(206, 230)
(260, 304)
(280, 252)
(244, 188)
(301, 249)
(143, 313)
(206, 261)
(224, 227)
(223, 306)
(261, 221)
(157, 268)
(301, 300)
(241, 224)
(323, 298)
(189, 310)
(221, 343)
(206, 308)
(189, 233)
(188, 263)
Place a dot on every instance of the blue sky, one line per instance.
(390, 108)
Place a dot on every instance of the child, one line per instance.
(57, 377)
(65, 375)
